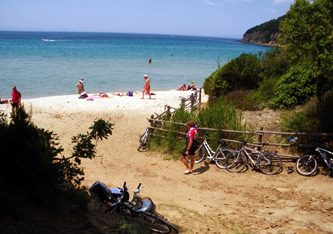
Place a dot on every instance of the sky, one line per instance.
(217, 18)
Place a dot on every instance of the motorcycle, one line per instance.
(143, 208)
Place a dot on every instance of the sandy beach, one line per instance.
(210, 200)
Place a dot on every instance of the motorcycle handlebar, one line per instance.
(139, 185)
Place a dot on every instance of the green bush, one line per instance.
(295, 87)
(315, 117)
(240, 73)
(219, 114)
(32, 161)
(312, 117)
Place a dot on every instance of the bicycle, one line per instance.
(205, 152)
(144, 142)
(143, 209)
(267, 162)
(306, 165)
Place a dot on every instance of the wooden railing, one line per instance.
(154, 123)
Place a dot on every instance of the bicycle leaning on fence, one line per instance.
(307, 165)
(204, 151)
(268, 162)
(144, 141)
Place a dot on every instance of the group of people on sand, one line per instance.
(189, 87)
(82, 93)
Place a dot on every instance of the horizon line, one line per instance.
(163, 34)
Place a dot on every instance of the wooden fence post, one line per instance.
(151, 121)
(260, 138)
(168, 112)
(182, 102)
(192, 100)
(200, 96)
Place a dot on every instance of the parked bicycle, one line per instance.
(307, 165)
(144, 142)
(204, 151)
(139, 208)
(268, 162)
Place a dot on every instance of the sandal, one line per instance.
(187, 172)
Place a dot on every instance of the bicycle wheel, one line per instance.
(220, 158)
(306, 165)
(270, 163)
(235, 161)
(155, 222)
(199, 155)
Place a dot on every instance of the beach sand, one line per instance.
(210, 200)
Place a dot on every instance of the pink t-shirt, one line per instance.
(192, 133)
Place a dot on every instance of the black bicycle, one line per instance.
(142, 208)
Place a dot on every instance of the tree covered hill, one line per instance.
(264, 34)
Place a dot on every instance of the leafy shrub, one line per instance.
(32, 161)
(315, 116)
(240, 73)
(219, 114)
(274, 63)
(296, 87)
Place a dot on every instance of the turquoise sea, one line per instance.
(50, 63)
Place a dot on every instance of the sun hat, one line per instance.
(145, 76)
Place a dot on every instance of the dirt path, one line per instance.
(210, 200)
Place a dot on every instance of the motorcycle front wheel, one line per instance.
(156, 223)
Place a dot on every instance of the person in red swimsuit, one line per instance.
(146, 87)
(191, 145)
(16, 99)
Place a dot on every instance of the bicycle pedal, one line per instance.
(290, 169)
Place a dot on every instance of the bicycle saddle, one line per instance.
(147, 206)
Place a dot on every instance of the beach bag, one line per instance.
(130, 93)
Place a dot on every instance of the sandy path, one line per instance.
(210, 200)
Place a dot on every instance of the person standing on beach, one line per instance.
(191, 145)
(16, 99)
(80, 86)
(146, 87)
(149, 60)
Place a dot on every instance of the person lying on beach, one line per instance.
(103, 95)
(182, 88)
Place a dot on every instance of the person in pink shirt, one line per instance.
(191, 145)
(16, 99)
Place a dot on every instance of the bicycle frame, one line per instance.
(144, 137)
(209, 150)
(245, 149)
(322, 152)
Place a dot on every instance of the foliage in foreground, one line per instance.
(32, 160)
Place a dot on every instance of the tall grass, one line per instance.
(217, 115)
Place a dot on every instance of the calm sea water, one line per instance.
(108, 61)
